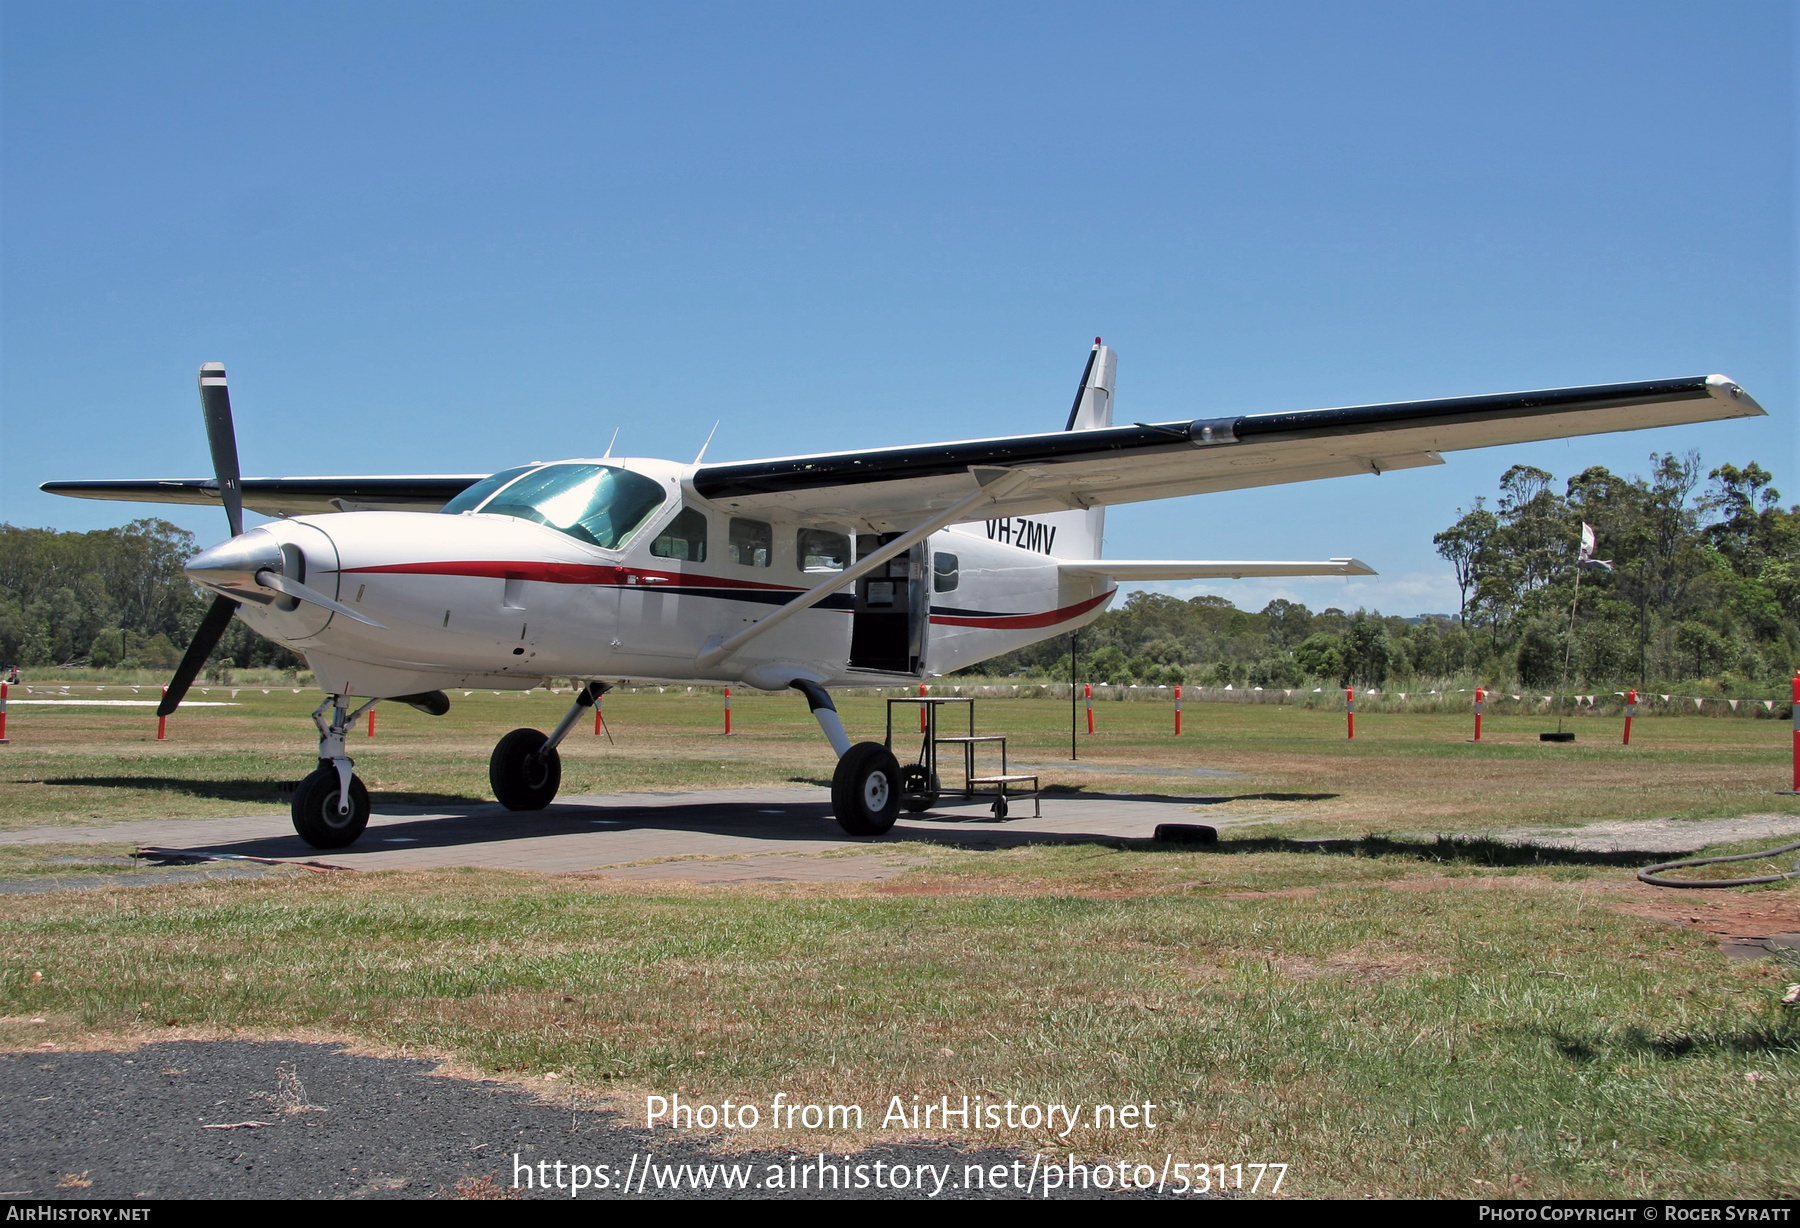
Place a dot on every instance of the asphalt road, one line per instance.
(134, 1125)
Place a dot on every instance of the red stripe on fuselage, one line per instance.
(565, 573)
(1012, 622)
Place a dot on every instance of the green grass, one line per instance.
(1386, 1013)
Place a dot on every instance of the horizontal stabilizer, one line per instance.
(1201, 569)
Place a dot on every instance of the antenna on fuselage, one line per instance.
(609, 444)
(708, 443)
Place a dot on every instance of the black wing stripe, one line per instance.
(940, 460)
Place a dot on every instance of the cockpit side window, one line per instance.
(473, 497)
(684, 539)
(598, 504)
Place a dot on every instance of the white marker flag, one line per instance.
(1588, 543)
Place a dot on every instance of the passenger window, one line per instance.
(684, 539)
(819, 550)
(750, 542)
(943, 573)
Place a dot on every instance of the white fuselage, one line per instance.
(498, 601)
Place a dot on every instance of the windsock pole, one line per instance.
(1630, 711)
(1350, 710)
(1480, 695)
(1178, 710)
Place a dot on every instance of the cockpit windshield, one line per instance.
(597, 504)
(478, 494)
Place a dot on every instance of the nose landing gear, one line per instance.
(331, 806)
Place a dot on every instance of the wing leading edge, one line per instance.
(287, 496)
(892, 487)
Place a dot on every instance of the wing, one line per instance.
(891, 488)
(1199, 569)
(287, 496)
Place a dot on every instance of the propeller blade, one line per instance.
(293, 588)
(206, 638)
(215, 404)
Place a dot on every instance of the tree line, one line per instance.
(1703, 586)
(111, 598)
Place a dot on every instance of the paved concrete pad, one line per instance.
(768, 834)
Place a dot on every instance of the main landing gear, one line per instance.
(525, 769)
(866, 788)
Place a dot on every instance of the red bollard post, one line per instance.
(1480, 695)
(1350, 710)
(1797, 731)
(1178, 711)
(371, 722)
(728, 712)
(921, 708)
(597, 700)
(2, 714)
(1630, 711)
(162, 722)
(1088, 688)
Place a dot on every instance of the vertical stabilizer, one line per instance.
(1079, 534)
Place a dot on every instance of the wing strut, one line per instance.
(995, 484)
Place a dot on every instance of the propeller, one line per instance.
(215, 405)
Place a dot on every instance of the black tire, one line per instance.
(999, 807)
(865, 790)
(315, 810)
(522, 778)
(919, 789)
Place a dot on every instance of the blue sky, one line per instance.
(449, 237)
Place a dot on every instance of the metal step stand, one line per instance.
(1002, 787)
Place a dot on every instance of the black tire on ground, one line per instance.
(315, 810)
(1186, 833)
(522, 778)
(865, 790)
(1000, 807)
(919, 789)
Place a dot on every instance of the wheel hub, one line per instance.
(875, 792)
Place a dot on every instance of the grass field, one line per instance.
(1385, 1013)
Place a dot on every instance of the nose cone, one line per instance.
(230, 567)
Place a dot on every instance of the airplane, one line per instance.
(802, 572)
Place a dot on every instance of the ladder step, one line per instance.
(999, 780)
(983, 737)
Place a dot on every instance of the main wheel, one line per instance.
(524, 779)
(865, 789)
(919, 789)
(316, 815)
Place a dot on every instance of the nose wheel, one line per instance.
(319, 815)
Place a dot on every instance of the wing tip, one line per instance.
(1356, 567)
(1732, 393)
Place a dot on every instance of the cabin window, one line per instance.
(597, 504)
(819, 550)
(684, 539)
(943, 573)
(750, 542)
(477, 494)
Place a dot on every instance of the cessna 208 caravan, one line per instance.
(836, 569)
